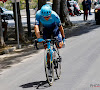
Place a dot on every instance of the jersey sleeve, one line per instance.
(57, 19)
(37, 19)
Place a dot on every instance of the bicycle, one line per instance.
(52, 60)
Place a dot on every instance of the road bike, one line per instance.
(52, 59)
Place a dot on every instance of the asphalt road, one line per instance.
(80, 66)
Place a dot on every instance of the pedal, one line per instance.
(55, 64)
(55, 67)
(59, 59)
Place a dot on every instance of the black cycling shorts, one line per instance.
(54, 31)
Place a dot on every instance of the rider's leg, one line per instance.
(46, 35)
(60, 44)
(57, 34)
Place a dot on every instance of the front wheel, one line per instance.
(49, 68)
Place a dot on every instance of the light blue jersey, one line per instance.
(53, 20)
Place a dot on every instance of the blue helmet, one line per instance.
(46, 10)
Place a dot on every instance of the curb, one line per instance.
(7, 51)
(92, 11)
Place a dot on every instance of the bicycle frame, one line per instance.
(51, 62)
(48, 46)
(49, 49)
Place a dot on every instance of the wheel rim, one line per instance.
(58, 70)
(57, 64)
(49, 70)
(58, 67)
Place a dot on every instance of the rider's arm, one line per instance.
(57, 20)
(36, 27)
(62, 31)
(37, 32)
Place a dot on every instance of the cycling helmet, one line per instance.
(46, 10)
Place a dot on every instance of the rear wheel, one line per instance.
(49, 68)
(58, 67)
(57, 64)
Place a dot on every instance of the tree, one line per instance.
(28, 18)
(41, 3)
(64, 14)
(60, 6)
(56, 6)
(21, 29)
(2, 43)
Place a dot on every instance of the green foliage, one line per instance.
(8, 4)
(1, 4)
(80, 5)
(32, 4)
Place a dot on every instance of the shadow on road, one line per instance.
(37, 85)
(82, 29)
(18, 56)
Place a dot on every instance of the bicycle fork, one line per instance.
(51, 51)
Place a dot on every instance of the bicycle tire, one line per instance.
(49, 69)
(58, 69)
(57, 64)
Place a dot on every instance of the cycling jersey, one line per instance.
(53, 20)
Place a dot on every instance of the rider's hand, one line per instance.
(40, 40)
(63, 40)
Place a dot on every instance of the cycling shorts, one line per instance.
(54, 31)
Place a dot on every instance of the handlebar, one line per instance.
(35, 44)
(46, 40)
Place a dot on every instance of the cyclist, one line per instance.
(51, 25)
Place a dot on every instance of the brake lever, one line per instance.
(35, 44)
